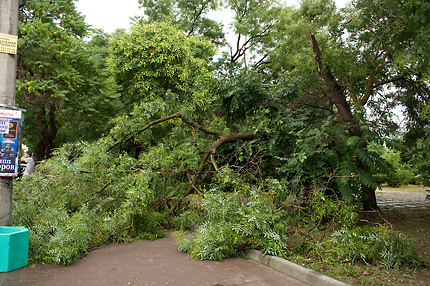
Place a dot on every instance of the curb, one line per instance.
(293, 270)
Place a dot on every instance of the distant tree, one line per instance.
(250, 29)
(157, 60)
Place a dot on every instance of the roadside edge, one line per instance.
(293, 270)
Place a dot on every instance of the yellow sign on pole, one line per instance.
(8, 44)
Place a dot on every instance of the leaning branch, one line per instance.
(199, 127)
(152, 123)
(390, 80)
(236, 137)
(147, 126)
(209, 152)
(369, 88)
(334, 90)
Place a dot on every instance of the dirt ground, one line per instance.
(413, 223)
(406, 210)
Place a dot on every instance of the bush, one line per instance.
(74, 202)
(247, 217)
(373, 246)
(233, 224)
(401, 173)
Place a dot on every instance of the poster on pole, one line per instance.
(8, 44)
(10, 121)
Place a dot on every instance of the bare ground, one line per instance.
(405, 210)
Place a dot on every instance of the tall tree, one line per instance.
(378, 45)
(360, 60)
(58, 82)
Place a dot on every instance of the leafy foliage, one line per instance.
(374, 245)
(82, 198)
(236, 220)
(401, 173)
(156, 59)
(58, 82)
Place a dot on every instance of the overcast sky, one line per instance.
(108, 14)
(112, 14)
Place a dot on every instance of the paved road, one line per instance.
(392, 199)
(145, 263)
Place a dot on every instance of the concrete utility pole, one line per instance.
(9, 26)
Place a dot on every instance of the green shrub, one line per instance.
(401, 174)
(334, 212)
(237, 220)
(82, 198)
(373, 246)
(248, 217)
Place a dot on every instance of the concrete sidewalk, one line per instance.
(148, 263)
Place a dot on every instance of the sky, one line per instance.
(108, 14)
(112, 14)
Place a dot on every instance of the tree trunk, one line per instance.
(369, 201)
(337, 96)
(47, 133)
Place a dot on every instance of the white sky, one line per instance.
(108, 15)
(112, 14)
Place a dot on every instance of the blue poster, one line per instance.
(9, 143)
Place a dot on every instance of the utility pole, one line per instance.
(8, 26)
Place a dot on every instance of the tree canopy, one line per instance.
(155, 59)
(58, 83)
